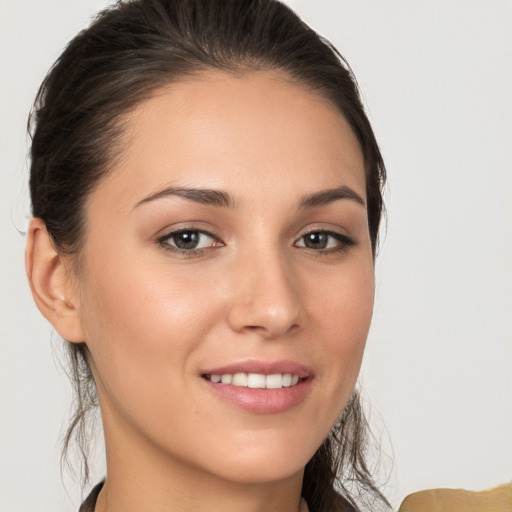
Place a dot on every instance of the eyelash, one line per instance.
(344, 242)
(164, 242)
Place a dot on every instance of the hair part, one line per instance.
(131, 50)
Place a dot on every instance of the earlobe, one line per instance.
(49, 279)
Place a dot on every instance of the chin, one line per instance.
(263, 473)
(265, 462)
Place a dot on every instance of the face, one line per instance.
(227, 282)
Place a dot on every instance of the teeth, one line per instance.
(274, 381)
(227, 378)
(256, 380)
(239, 379)
(287, 380)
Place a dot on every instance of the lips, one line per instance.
(260, 387)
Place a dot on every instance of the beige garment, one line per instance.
(303, 506)
(498, 499)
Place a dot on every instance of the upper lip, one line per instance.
(262, 367)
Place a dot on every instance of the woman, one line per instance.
(206, 193)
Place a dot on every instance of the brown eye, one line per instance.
(316, 240)
(188, 240)
(325, 241)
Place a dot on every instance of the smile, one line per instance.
(255, 380)
(260, 387)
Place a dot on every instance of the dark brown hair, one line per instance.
(130, 51)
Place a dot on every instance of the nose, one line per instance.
(266, 298)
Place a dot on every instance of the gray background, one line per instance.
(437, 78)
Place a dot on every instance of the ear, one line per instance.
(51, 284)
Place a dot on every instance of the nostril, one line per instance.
(271, 330)
(265, 303)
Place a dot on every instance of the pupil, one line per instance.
(316, 240)
(186, 239)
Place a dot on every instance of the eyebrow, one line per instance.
(330, 195)
(219, 198)
(206, 196)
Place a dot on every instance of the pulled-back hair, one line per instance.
(131, 50)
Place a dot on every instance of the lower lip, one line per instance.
(262, 401)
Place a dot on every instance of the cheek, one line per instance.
(345, 314)
(141, 325)
(346, 299)
(145, 330)
(128, 289)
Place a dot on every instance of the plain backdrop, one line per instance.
(436, 76)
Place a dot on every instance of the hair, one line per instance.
(131, 50)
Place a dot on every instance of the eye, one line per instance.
(188, 240)
(325, 240)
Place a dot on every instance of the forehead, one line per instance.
(238, 132)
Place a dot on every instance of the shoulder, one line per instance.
(498, 499)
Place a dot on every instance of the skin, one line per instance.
(154, 319)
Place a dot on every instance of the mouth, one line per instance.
(256, 380)
(260, 387)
